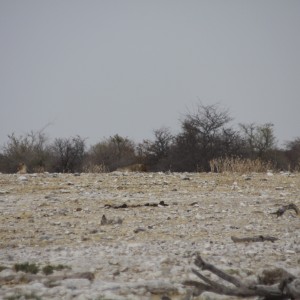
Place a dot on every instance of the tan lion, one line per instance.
(22, 169)
(133, 168)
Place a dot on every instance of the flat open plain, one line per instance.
(154, 224)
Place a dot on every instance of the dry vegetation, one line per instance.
(205, 143)
(239, 165)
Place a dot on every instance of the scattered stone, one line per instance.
(7, 275)
(112, 221)
(22, 178)
(74, 284)
(144, 249)
(139, 229)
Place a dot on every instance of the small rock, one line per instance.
(207, 246)
(55, 223)
(249, 227)
(139, 229)
(290, 252)
(211, 295)
(104, 220)
(74, 284)
(22, 178)
(234, 186)
(113, 221)
(37, 286)
(7, 274)
(272, 276)
(114, 262)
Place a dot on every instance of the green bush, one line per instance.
(49, 269)
(27, 268)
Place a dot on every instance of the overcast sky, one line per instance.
(97, 68)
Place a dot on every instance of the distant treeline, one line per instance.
(205, 143)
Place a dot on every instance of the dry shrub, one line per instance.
(100, 168)
(239, 165)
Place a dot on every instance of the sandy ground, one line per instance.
(154, 224)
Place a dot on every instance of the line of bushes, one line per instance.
(205, 143)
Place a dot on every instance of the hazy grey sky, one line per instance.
(97, 68)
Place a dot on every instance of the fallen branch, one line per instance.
(287, 288)
(124, 205)
(259, 238)
(284, 208)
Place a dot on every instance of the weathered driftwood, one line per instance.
(284, 208)
(258, 238)
(124, 205)
(287, 288)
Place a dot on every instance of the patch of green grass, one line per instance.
(30, 296)
(27, 268)
(49, 269)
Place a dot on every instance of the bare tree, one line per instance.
(200, 139)
(68, 154)
(162, 142)
(155, 153)
(293, 154)
(260, 139)
(208, 119)
(249, 134)
(265, 138)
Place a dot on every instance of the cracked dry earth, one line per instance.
(142, 250)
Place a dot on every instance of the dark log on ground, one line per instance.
(288, 286)
(124, 205)
(284, 208)
(259, 238)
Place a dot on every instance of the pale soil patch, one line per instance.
(56, 218)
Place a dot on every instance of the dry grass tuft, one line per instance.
(239, 165)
